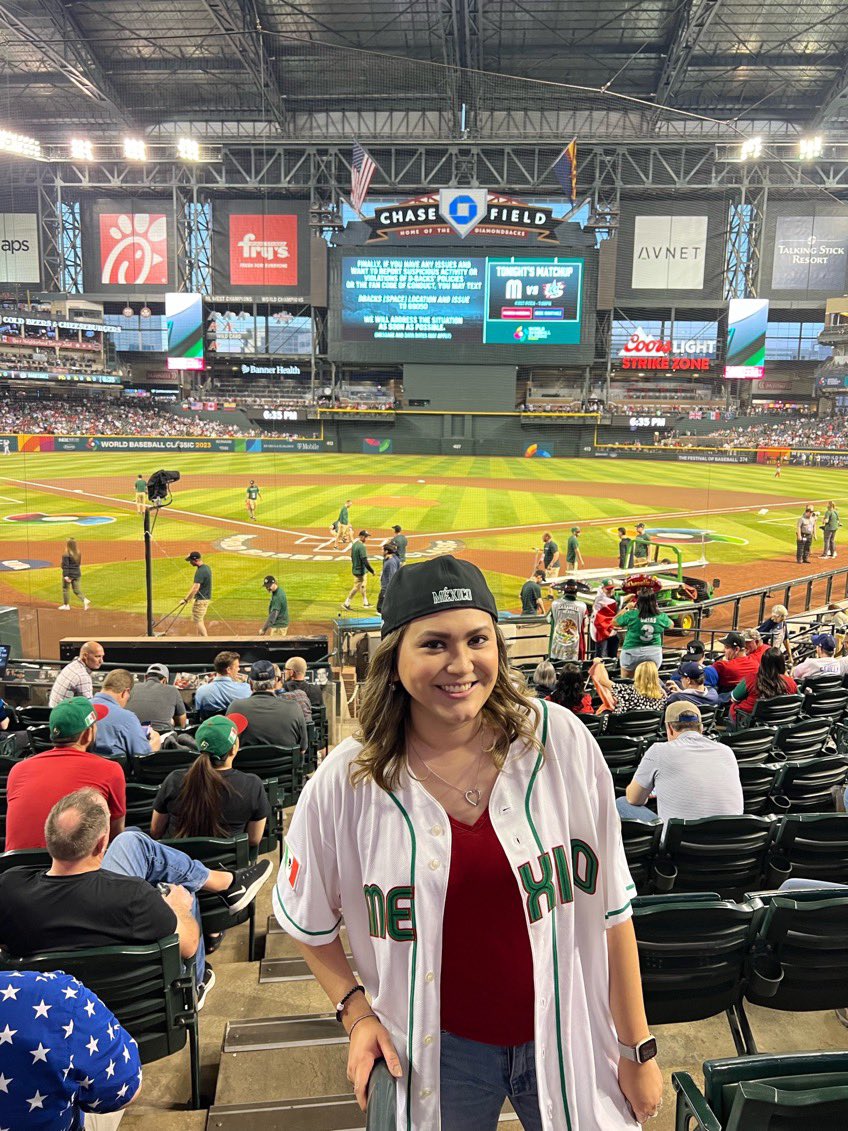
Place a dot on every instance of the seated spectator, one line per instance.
(646, 693)
(739, 663)
(754, 645)
(770, 681)
(695, 654)
(570, 690)
(775, 630)
(57, 1014)
(214, 697)
(75, 678)
(837, 621)
(824, 662)
(297, 696)
(212, 798)
(295, 680)
(691, 775)
(156, 703)
(120, 734)
(692, 688)
(271, 721)
(37, 783)
(94, 895)
(544, 677)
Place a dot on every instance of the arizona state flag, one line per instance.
(565, 170)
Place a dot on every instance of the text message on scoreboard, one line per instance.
(517, 302)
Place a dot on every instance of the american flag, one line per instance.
(565, 170)
(363, 168)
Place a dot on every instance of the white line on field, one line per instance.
(8, 499)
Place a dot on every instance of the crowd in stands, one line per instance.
(61, 417)
(828, 433)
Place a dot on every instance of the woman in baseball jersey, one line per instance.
(469, 838)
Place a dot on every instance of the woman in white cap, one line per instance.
(468, 836)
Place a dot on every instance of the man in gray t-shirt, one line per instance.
(157, 702)
(691, 775)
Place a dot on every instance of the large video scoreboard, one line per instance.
(441, 305)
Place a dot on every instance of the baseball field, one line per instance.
(490, 510)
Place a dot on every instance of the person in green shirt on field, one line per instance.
(644, 626)
(277, 621)
(531, 595)
(140, 493)
(830, 524)
(400, 541)
(342, 526)
(640, 545)
(624, 546)
(359, 566)
(200, 593)
(253, 493)
(573, 557)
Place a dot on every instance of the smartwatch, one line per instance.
(645, 1050)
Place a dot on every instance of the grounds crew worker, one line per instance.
(359, 565)
(200, 593)
(572, 550)
(488, 913)
(277, 621)
(140, 494)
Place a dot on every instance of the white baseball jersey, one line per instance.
(382, 860)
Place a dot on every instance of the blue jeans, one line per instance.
(630, 658)
(634, 812)
(477, 1078)
(134, 853)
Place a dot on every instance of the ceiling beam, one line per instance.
(834, 101)
(694, 17)
(75, 58)
(242, 22)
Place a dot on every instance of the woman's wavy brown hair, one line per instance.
(509, 714)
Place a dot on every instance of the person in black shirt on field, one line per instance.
(72, 575)
(624, 547)
(212, 798)
(531, 595)
(200, 594)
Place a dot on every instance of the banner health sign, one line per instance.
(261, 247)
(670, 250)
(19, 260)
(806, 251)
(129, 247)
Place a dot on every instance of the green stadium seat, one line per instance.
(779, 711)
(153, 769)
(827, 681)
(723, 854)
(140, 798)
(25, 858)
(33, 716)
(635, 724)
(806, 787)
(807, 1091)
(281, 770)
(593, 723)
(144, 986)
(226, 854)
(752, 745)
(827, 703)
(641, 840)
(804, 739)
(815, 845)
(757, 784)
(692, 954)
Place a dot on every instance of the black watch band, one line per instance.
(341, 1004)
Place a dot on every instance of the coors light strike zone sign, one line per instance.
(642, 352)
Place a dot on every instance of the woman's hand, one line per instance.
(369, 1042)
(642, 1086)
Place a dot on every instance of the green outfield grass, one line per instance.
(497, 508)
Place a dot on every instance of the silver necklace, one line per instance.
(472, 796)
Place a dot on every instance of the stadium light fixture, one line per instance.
(19, 145)
(752, 149)
(810, 147)
(135, 149)
(188, 149)
(81, 149)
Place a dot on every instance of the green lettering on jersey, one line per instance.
(537, 888)
(400, 910)
(376, 905)
(563, 874)
(584, 866)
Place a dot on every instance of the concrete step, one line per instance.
(278, 944)
(274, 1074)
(326, 1113)
(258, 1034)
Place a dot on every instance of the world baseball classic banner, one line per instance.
(250, 444)
(261, 248)
(129, 246)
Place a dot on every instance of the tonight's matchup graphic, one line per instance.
(512, 301)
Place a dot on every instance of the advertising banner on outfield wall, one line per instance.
(251, 445)
(129, 246)
(19, 258)
(261, 247)
(805, 251)
(669, 251)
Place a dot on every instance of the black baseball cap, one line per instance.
(261, 670)
(435, 586)
(734, 640)
(694, 648)
(691, 670)
(364, 534)
(269, 581)
(194, 556)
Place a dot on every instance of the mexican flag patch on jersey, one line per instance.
(291, 866)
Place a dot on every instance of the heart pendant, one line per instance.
(472, 796)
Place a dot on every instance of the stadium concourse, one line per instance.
(423, 586)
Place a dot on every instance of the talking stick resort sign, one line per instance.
(463, 211)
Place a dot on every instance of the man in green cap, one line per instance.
(359, 566)
(277, 621)
(37, 783)
(140, 493)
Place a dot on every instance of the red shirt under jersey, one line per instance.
(37, 783)
(487, 965)
(744, 666)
